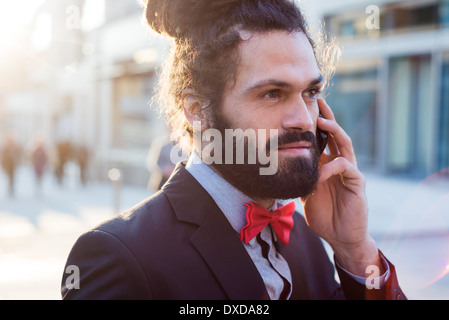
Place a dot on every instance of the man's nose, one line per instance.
(298, 116)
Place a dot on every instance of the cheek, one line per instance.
(266, 120)
(313, 107)
(243, 115)
(228, 113)
(314, 113)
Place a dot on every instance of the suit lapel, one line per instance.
(216, 240)
(294, 254)
(221, 248)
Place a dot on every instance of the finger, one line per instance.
(339, 166)
(325, 158)
(332, 145)
(339, 143)
(327, 113)
(325, 109)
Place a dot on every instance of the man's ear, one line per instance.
(193, 108)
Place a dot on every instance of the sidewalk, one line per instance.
(408, 219)
(37, 232)
(405, 206)
(410, 222)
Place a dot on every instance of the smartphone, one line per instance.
(321, 137)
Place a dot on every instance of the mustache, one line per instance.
(291, 137)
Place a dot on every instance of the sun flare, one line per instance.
(14, 16)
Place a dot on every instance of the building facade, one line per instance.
(117, 78)
(390, 91)
(94, 87)
(90, 86)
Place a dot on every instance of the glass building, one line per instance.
(391, 89)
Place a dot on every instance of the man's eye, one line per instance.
(312, 93)
(272, 94)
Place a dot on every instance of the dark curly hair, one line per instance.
(204, 54)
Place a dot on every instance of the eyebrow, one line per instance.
(281, 84)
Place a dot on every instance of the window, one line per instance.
(410, 118)
(132, 114)
(401, 17)
(444, 13)
(443, 139)
(352, 97)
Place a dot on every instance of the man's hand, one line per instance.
(337, 209)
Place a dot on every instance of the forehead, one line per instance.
(278, 55)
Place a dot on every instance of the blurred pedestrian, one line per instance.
(159, 163)
(82, 157)
(10, 159)
(39, 159)
(63, 155)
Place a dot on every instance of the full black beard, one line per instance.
(295, 177)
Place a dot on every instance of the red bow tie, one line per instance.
(258, 218)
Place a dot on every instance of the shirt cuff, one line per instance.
(381, 280)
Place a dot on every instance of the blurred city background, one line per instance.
(80, 135)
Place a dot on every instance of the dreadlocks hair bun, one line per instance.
(175, 18)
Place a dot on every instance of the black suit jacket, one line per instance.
(178, 245)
